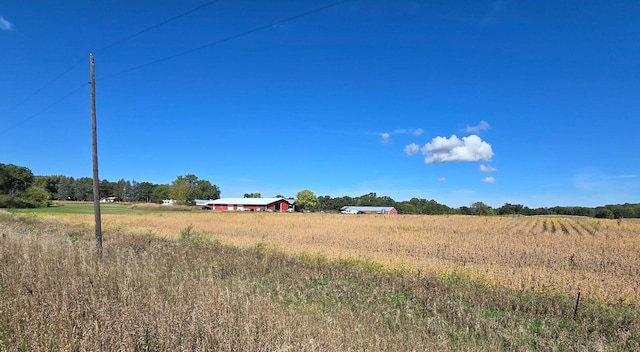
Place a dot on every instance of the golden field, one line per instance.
(599, 258)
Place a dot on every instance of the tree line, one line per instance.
(432, 207)
(19, 188)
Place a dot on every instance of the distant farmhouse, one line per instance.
(246, 204)
(368, 210)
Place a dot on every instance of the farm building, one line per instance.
(110, 200)
(368, 210)
(249, 204)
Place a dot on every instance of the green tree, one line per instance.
(14, 178)
(407, 208)
(205, 190)
(160, 192)
(38, 197)
(50, 183)
(145, 192)
(180, 188)
(83, 189)
(65, 188)
(255, 195)
(306, 199)
(132, 191)
(479, 208)
(184, 189)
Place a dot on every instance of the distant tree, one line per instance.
(65, 188)
(255, 195)
(83, 189)
(49, 183)
(479, 208)
(14, 178)
(346, 201)
(184, 189)
(38, 197)
(325, 203)
(604, 213)
(306, 199)
(510, 209)
(145, 192)
(120, 189)
(106, 188)
(160, 192)
(406, 208)
(180, 189)
(205, 190)
(132, 191)
(624, 211)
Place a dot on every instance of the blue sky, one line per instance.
(529, 102)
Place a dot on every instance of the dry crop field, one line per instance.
(597, 257)
(202, 281)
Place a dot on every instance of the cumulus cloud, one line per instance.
(442, 179)
(487, 168)
(483, 125)
(489, 180)
(5, 25)
(411, 149)
(386, 136)
(442, 149)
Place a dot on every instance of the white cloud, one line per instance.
(483, 125)
(487, 168)
(5, 25)
(442, 179)
(411, 149)
(489, 180)
(471, 148)
(386, 136)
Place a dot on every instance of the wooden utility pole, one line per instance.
(94, 142)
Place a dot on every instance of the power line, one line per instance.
(171, 19)
(226, 39)
(108, 46)
(219, 41)
(30, 117)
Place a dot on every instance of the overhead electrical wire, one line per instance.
(226, 39)
(166, 58)
(171, 19)
(108, 46)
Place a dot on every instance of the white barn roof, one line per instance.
(247, 201)
(373, 209)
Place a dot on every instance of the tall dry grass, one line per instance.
(599, 258)
(151, 294)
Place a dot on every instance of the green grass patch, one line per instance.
(87, 208)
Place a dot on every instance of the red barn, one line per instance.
(250, 204)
